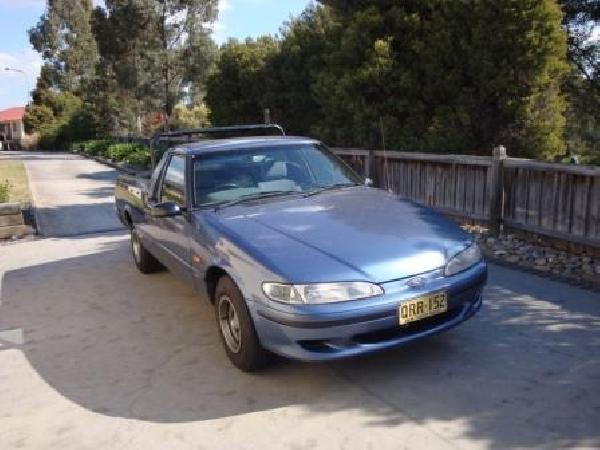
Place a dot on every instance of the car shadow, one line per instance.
(79, 218)
(99, 175)
(100, 192)
(524, 372)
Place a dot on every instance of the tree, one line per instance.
(582, 87)
(456, 76)
(156, 51)
(235, 92)
(292, 70)
(190, 117)
(64, 37)
(421, 75)
(179, 28)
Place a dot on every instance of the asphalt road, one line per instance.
(94, 355)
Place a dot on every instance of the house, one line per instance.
(12, 131)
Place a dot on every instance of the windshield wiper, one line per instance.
(331, 188)
(253, 196)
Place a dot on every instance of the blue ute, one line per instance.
(298, 255)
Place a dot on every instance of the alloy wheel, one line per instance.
(230, 324)
(136, 246)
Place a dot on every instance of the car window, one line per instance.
(228, 175)
(173, 185)
(156, 176)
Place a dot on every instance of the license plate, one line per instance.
(422, 307)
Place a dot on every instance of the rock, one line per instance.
(591, 277)
(560, 260)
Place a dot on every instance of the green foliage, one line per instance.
(4, 191)
(136, 155)
(235, 91)
(446, 76)
(190, 117)
(292, 71)
(432, 75)
(152, 54)
(61, 119)
(421, 75)
(97, 147)
(582, 87)
(120, 152)
(63, 37)
(139, 158)
(37, 117)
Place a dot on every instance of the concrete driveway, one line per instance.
(72, 195)
(94, 354)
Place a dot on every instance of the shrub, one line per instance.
(4, 188)
(140, 158)
(97, 147)
(120, 152)
(60, 121)
(137, 155)
(77, 147)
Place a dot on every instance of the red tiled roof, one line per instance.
(9, 114)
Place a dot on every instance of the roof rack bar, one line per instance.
(164, 136)
(216, 130)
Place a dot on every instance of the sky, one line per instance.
(237, 18)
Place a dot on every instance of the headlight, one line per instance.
(463, 260)
(320, 292)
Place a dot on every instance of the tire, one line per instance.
(238, 335)
(143, 259)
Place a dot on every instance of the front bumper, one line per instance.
(338, 330)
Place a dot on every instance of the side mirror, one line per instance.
(368, 182)
(165, 209)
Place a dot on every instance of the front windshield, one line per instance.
(231, 175)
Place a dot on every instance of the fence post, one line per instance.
(368, 162)
(497, 189)
(370, 168)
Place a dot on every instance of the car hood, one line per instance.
(354, 233)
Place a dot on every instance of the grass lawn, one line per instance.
(14, 172)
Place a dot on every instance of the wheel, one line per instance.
(144, 261)
(236, 328)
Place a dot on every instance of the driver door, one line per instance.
(173, 233)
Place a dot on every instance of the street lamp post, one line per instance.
(11, 69)
(22, 72)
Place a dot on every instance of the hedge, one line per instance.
(136, 155)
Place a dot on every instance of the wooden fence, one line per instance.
(557, 200)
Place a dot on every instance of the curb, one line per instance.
(32, 207)
(120, 168)
(116, 166)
